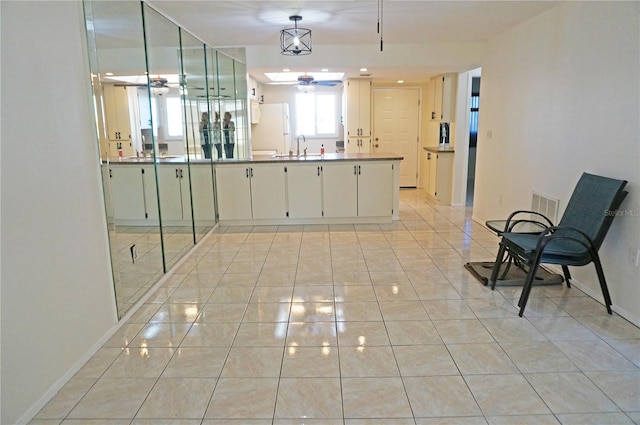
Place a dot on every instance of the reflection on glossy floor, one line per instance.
(361, 324)
(137, 257)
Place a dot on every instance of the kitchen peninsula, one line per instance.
(333, 188)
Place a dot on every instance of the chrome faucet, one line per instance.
(298, 144)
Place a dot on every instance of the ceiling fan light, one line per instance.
(295, 41)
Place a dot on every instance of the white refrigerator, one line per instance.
(272, 133)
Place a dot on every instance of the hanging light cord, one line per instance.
(380, 28)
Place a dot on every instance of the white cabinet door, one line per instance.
(127, 194)
(234, 192)
(437, 98)
(170, 193)
(176, 197)
(365, 108)
(432, 159)
(106, 181)
(358, 145)
(358, 116)
(268, 194)
(375, 189)
(202, 193)
(117, 113)
(340, 190)
(150, 192)
(304, 188)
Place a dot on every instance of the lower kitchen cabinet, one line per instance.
(134, 200)
(307, 192)
(175, 204)
(439, 175)
(177, 197)
(202, 193)
(375, 189)
(253, 191)
(133, 193)
(363, 189)
(268, 195)
(304, 190)
(234, 192)
(340, 190)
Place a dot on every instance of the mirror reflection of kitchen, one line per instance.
(123, 111)
(158, 182)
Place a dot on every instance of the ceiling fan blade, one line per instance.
(129, 85)
(328, 83)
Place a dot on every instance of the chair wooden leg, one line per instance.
(567, 275)
(603, 283)
(528, 284)
(496, 266)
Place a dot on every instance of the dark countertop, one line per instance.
(438, 149)
(264, 159)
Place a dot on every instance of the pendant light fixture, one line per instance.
(295, 41)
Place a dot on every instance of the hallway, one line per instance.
(356, 324)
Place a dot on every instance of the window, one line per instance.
(316, 114)
(174, 117)
(167, 115)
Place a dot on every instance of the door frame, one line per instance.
(462, 114)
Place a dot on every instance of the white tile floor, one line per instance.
(360, 324)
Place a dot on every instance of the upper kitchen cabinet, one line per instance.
(358, 116)
(255, 90)
(442, 91)
(118, 126)
(117, 112)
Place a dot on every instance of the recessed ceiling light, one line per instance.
(286, 70)
(363, 70)
(400, 81)
(324, 69)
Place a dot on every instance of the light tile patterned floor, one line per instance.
(361, 324)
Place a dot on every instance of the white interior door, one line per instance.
(396, 115)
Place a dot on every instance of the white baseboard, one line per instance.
(596, 295)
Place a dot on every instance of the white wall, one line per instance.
(560, 96)
(57, 294)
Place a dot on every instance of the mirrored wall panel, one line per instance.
(168, 107)
(123, 112)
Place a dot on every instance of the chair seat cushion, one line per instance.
(558, 251)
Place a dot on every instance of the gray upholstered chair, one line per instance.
(575, 241)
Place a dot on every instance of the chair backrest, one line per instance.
(593, 205)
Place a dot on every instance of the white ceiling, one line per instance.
(407, 28)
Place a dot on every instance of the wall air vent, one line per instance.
(545, 205)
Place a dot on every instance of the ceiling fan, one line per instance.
(154, 82)
(309, 80)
